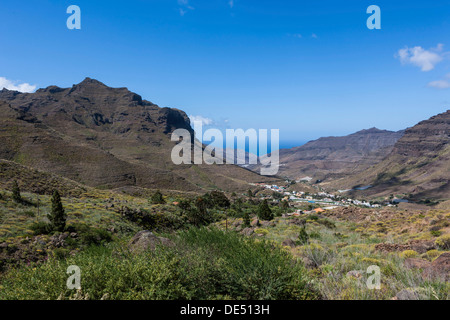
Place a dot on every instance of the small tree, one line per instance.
(250, 193)
(285, 205)
(184, 205)
(219, 199)
(264, 212)
(57, 216)
(277, 195)
(303, 236)
(16, 192)
(157, 198)
(246, 219)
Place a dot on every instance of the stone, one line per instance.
(146, 240)
(247, 231)
(237, 223)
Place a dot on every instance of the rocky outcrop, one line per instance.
(146, 240)
(391, 247)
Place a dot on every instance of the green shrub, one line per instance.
(264, 212)
(28, 213)
(435, 233)
(327, 223)
(303, 236)
(409, 254)
(41, 228)
(443, 242)
(203, 264)
(157, 198)
(89, 236)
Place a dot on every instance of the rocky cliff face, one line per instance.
(330, 157)
(418, 165)
(427, 138)
(104, 137)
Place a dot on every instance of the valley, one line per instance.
(86, 179)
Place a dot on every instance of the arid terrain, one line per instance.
(86, 179)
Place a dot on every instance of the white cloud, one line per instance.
(314, 36)
(15, 85)
(440, 84)
(426, 60)
(203, 120)
(231, 3)
(184, 7)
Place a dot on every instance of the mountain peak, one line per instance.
(371, 130)
(90, 82)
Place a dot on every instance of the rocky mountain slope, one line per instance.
(418, 165)
(334, 157)
(104, 137)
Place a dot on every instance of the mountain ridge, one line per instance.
(105, 137)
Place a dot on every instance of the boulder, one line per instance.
(268, 223)
(255, 223)
(237, 223)
(146, 240)
(247, 231)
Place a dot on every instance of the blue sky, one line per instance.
(308, 68)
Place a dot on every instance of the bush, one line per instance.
(432, 254)
(435, 233)
(219, 199)
(303, 236)
(203, 264)
(443, 242)
(261, 231)
(89, 236)
(157, 198)
(409, 254)
(327, 223)
(41, 227)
